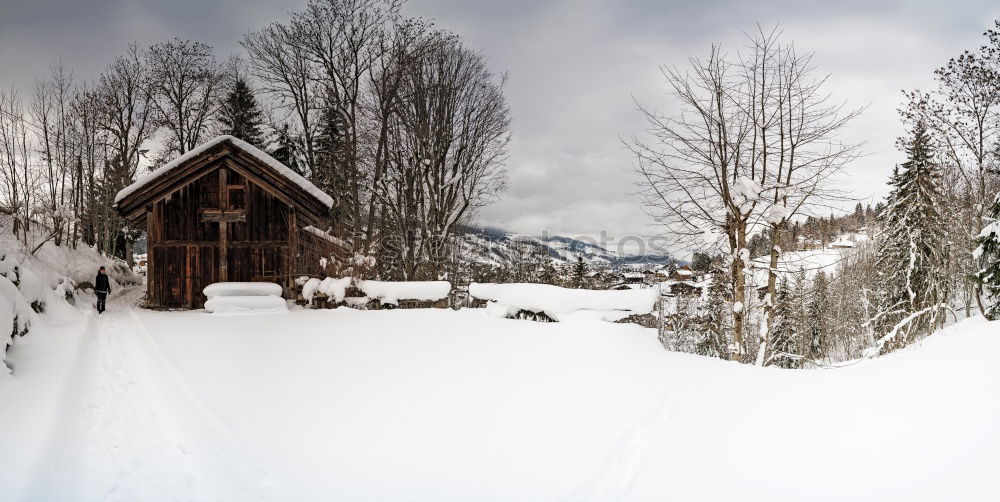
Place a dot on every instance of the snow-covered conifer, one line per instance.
(913, 249)
(988, 253)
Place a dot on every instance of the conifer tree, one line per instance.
(240, 114)
(286, 150)
(548, 273)
(784, 349)
(816, 318)
(913, 251)
(988, 253)
(579, 277)
(715, 327)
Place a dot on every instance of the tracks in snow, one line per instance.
(130, 428)
(618, 475)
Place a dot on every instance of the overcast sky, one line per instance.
(574, 67)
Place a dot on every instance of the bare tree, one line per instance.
(794, 146)
(401, 53)
(288, 76)
(755, 143)
(185, 82)
(125, 112)
(345, 39)
(447, 148)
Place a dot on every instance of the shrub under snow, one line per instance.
(15, 318)
(334, 289)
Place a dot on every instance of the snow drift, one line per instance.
(554, 300)
(432, 404)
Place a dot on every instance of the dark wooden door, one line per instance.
(201, 270)
(170, 277)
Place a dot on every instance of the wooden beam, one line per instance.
(219, 215)
(224, 219)
(152, 234)
(291, 260)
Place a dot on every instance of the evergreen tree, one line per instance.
(912, 256)
(548, 273)
(784, 350)
(332, 174)
(816, 318)
(715, 327)
(988, 253)
(286, 150)
(701, 262)
(240, 115)
(579, 277)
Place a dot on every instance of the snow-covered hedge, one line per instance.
(508, 299)
(389, 292)
(334, 289)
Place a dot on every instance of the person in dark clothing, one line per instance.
(102, 286)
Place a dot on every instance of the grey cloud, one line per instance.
(574, 67)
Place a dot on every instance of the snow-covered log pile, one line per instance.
(514, 300)
(407, 293)
(244, 298)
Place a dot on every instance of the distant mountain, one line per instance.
(493, 246)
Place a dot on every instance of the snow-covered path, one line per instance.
(128, 429)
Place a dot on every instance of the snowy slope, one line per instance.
(497, 247)
(442, 405)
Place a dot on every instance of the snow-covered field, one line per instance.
(442, 405)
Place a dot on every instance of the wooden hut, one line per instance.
(227, 211)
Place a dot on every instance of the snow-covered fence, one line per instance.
(533, 300)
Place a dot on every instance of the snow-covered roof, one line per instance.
(257, 153)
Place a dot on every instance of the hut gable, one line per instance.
(239, 155)
(226, 211)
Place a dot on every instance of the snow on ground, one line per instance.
(554, 300)
(442, 405)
